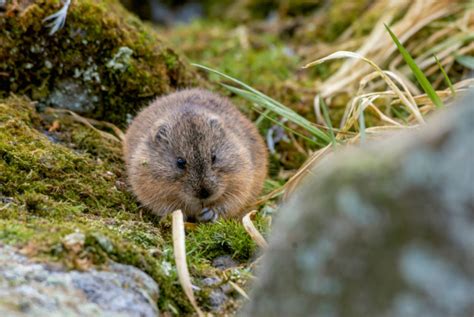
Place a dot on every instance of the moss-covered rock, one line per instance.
(59, 177)
(104, 62)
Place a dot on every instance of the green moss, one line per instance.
(104, 62)
(242, 10)
(341, 15)
(333, 19)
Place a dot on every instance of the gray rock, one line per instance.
(37, 289)
(386, 229)
(224, 262)
(72, 95)
(211, 281)
(216, 298)
(218, 292)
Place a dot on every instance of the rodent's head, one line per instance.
(195, 155)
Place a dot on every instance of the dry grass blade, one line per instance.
(90, 123)
(180, 258)
(379, 133)
(344, 54)
(378, 46)
(239, 290)
(252, 231)
(111, 126)
(292, 183)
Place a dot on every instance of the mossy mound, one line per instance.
(262, 60)
(104, 62)
(70, 179)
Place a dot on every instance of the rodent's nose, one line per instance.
(204, 193)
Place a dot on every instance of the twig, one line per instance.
(252, 231)
(180, 258)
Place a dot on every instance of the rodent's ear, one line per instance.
(161, 134)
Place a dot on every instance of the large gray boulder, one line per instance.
(386, 229)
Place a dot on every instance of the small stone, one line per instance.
(6, 200)
(156, 253)
(224, 262)
(74, 242)
(211, 281)
(104, 242)
(227, 288)
(216, 298)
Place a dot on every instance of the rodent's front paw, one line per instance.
(207, 215)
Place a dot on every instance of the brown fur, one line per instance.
(194, 124)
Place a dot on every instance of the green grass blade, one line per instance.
(240, 83)
(420, 77)
(328, 121)
(400, 115)
(362, 126)
(264, 114)
(262, 117)
(446, 78)
(256, 96)
(282, 111)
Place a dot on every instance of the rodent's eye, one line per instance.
(213, 158)
(181, 163)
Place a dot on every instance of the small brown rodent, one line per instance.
(193, 150)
